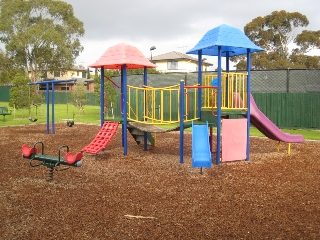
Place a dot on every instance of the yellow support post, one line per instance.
(129, 103)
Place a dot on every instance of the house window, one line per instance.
(44, 87)
(172, 65)
(78, 73)
(65, 88)
(84, 74)
(56, 74)
(44, 75)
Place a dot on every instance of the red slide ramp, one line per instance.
(102, 139)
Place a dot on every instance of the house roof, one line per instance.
(80, 68)
(175, 56)
(122, 54)
(230, 39)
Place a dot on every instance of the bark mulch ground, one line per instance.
(150, 195)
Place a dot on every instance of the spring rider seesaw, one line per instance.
(52, 162)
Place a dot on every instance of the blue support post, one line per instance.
(52, 107)
(219, 108)
(199, 82)
(47, 102)
(248, 102)
(181, 119)
(145, 135)
(101, 96)
(46, 83)
(125, 120)
(121, 104)
(227, 62)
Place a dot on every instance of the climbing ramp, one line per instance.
(102, 139)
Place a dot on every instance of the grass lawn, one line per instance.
(91, 114)
(62, 112)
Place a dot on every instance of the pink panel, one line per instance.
(234, 139)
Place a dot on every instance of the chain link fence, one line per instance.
(270, 81)
(286, 81)
(264, 81)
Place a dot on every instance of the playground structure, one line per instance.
(52, 162)
(196, 104)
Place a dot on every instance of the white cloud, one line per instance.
(170, 25)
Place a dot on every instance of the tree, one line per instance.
(276, 33)
(96, 84)
(79, 96)
(8, 69)
(108, 86)
(141, 71)
(88, 73)
(110, 92)
(20, 94)
(110, 89)
(40, 35)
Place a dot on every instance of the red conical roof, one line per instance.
(121, 54)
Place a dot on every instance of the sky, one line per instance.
(171, 25)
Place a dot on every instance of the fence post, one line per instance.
(288, 79)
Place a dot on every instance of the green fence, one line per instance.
(63, 98)
(290, 110)
(286, 110)
(59, 97)
(4, 94)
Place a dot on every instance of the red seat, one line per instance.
(70, 159)
(26, 151)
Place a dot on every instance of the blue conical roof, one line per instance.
(231, 39)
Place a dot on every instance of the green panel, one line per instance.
(170, 111)
(63, 98)
(92, 100)
(4, 94)
(207, 116)
(290, 110)
(151, 139)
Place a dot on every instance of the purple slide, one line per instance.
(266, 126)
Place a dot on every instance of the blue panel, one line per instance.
(232, 40)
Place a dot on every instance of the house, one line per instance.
(178, 62)
(76, 72)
